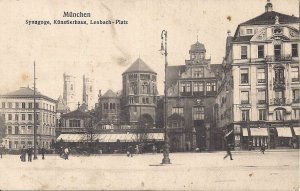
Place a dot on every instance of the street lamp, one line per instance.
(163, 50)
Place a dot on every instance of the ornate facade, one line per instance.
(260, 87)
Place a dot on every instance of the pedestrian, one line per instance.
(130, 151)
(29, 153)
(66, 153)
(1, 150)
(43, 152)
(23, 154)
(263, 148)
(228, 152)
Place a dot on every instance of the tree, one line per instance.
(2, 129)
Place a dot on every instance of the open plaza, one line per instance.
(250, 170)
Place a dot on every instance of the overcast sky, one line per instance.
(105, 51)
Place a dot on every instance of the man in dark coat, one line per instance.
(43, 150)
(29, 153)
(228, 150)
(23, 154)
(263, 148)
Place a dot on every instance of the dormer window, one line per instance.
(249, 31)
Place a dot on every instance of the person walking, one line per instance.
(1, 150)
(228, 150)
(130, 151)
(29, 153)
(66, 153)
(43, 150)
(263, 148)
(23, 154)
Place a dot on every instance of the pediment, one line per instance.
(276, 32)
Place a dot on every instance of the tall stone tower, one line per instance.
(139, 94)
(88, 93)
(69, 93)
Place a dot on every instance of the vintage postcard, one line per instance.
(149, 95)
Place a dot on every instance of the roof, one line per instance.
(61, 105)
(242, 38)
(27, 92)
(139, 66)
(197, 47)
(77, 114)
(268, 18)
(110, 93)
(173, 74)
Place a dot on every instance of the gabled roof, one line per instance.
(139, 66)
(268, 18)
(26, 92)
(77, 114)
(110, 93)
(173, 74)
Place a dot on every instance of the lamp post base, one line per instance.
(166, 159)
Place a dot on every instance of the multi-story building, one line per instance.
(191, 91)
(69, 93)
(139, 94)
(109, 104)
(17, 108)
(260, 91)
(88, 93)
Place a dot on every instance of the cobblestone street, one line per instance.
(275, 170)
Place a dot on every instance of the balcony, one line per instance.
(279, 101)
(244, 101)
(261, 102)
(279, 83)
(278, 58)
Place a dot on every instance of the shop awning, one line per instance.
(245, 132)
(297, 130)
(284, 131)
(72, 137)
(109, 138)
(259, 132)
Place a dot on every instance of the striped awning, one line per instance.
(245, 132)
(263, 132)
(108, 138)
(297, 130)
(284, 131)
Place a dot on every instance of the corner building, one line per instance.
(262, 60)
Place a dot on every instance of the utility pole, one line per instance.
(34, 116)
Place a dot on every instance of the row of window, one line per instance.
(198, 112)
(110, 106)
(145, 100)
(23, 143)
(279, 114)
(144, 89)
(26, 105)
(142, 77)
(261, 51)
(185, 87)
(16, 130)
(261, 74)
(22, 117)
(261, 96)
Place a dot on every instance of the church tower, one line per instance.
(88, 93)
(69, 93)
(139, 94)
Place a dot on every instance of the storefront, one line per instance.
(296, 138)
(284, 137)
(259, 137)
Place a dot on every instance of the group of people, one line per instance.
(29, 151)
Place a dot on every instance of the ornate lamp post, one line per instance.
(166, 159)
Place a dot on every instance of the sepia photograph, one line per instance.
(193, 95)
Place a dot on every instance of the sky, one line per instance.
(104, 52)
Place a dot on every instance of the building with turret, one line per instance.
(191, 91)
(139, 94)
(69, 91)
(88, 97)
(258, 99)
